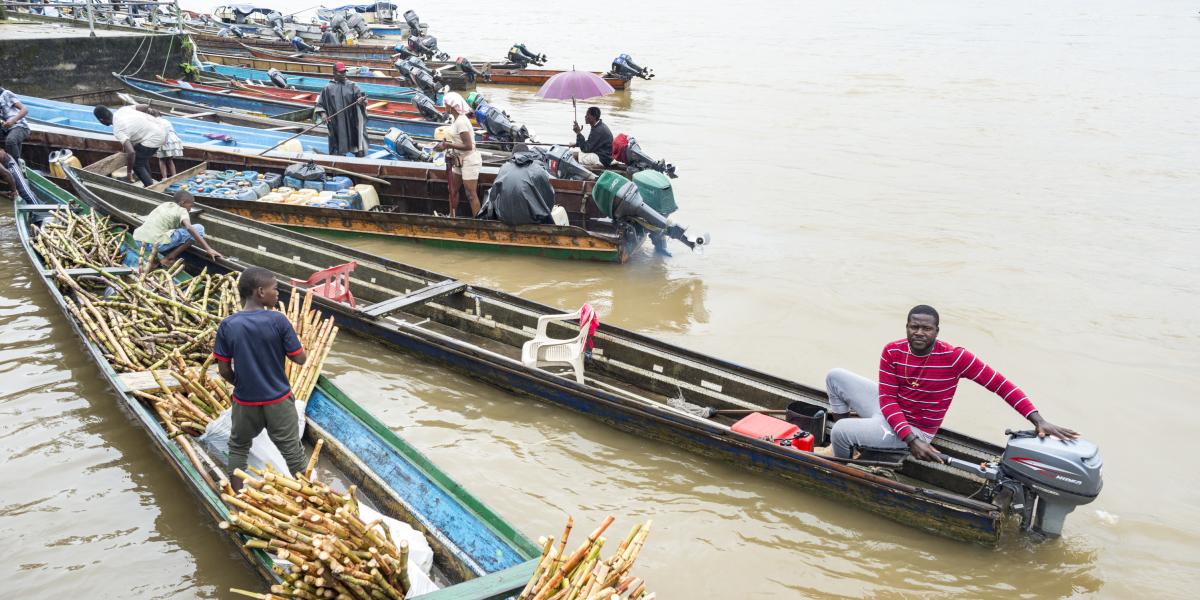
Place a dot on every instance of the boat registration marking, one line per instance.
(657, 368)
(262, 248)
(710, 385)
(372, 280)
(296, 258)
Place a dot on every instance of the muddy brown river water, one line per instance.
(1029, 168)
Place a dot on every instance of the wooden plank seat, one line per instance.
(77, 272)
(143, 381)
(38, 207)
(425, 294)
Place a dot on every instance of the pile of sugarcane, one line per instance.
(316, 336)
(190, 407)
(317, 531)
(583, 574)
(75, 240)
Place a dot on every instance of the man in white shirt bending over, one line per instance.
(140, 133)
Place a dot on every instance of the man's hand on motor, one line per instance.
(921, 450)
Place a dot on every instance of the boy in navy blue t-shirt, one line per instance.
(250, 349)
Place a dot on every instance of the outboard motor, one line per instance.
(414, 23)
(356, 22)
(428, 108)
(426, 46)
(624, 68)
(637, 204)
(400, 145)
(280, 33)
(337, 24)
(277, 78)
(403, 52)
(562, 165)
(636, 159)
(523, 57)
(468, 69)
(1040, 479)
(498, 124)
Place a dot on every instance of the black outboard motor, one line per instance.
(428, 108)
(636, 160)
(277, 78)
(417, 77)
(400, 145)
(469, 70)
(1040, 479)
(624, 68)
(523, 57)
(403, 52)
(426, 46)
(414, 23)
(562, 165)
(498, 125)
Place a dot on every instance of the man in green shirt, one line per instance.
(168, 229)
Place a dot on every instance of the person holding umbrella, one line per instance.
(463, 154)
(596, 150)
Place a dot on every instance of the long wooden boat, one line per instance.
(405, 189)
(388, 74)
(310, 83)
(361, 49)
(509, 75)
(629, 381)
(480, 554)
(292, 105)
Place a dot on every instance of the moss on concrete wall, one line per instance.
(49, 67)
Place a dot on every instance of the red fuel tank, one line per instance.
(760, 426)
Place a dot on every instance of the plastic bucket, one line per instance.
(808, 417)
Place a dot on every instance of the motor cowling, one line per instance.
(467, 68)
(523, 56)
(426, 46)
(401, 145)
(428, 108)
(277, 78)
(414, 22)
(562, 165)
(1058, 475)
(637, 160)
(403, 51)
(498, 125)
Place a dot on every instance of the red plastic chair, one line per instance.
(332, 283)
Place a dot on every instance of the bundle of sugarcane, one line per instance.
(316, 336)
(330, 552)
(190, 407)
(78, 240)
(583, 575)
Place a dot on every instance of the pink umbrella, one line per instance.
(576, 85)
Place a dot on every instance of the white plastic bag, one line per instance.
(215, 440)
(420, 555)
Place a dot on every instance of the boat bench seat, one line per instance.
(143, 381)
(81, 271)
(39, 207)
(425, 294)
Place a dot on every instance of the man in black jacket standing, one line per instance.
(596, 151)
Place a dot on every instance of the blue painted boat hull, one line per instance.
(311, 84)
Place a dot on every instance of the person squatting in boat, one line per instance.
(917, 380)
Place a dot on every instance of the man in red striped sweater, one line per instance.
(917, 380)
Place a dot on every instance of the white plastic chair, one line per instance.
(544, 350)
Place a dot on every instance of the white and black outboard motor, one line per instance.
(636, 160)
(428, 108)
(1041, 479)
(414, 22)
(231, 31)
(277, 78)
(426, 46)
(623, 67)
(562, 165)
(358, 24)
(523, 57)
(400, 145)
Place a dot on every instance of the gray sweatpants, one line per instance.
(849, 391)
(282, 425)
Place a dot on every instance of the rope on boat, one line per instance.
(135, 53)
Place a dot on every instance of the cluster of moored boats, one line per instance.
(258, 132)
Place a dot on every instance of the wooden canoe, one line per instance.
(473, 546)
(409, 194)
(628, 381)
(505, 74)
(454, 79)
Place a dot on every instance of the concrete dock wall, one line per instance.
(64, 63)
